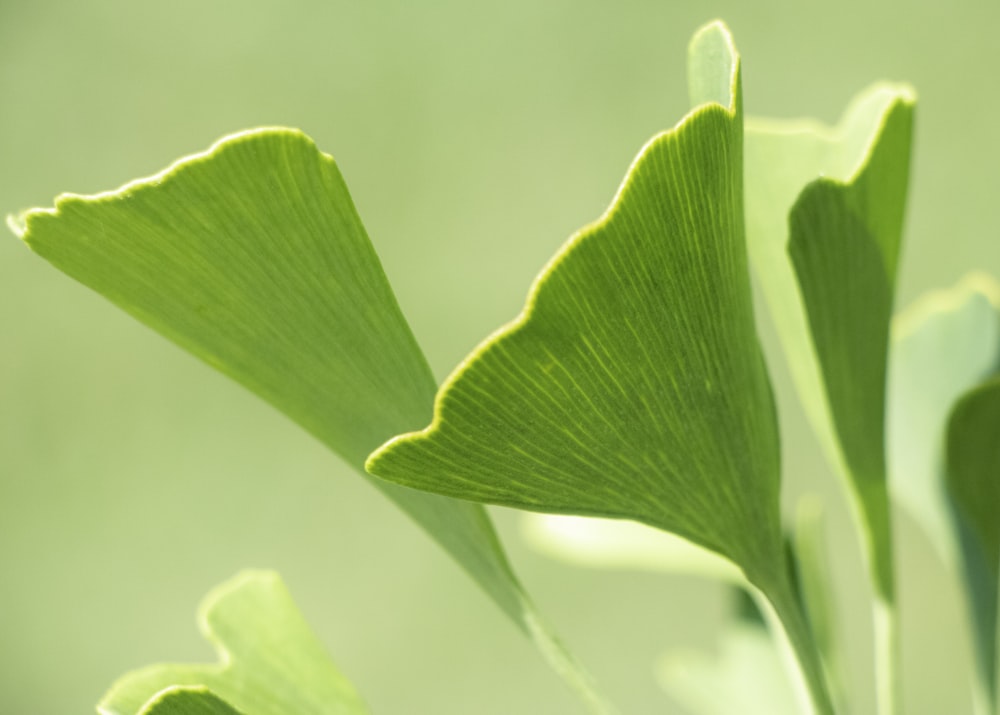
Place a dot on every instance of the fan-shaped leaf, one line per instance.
(943, 346)
(632, 385)
(253, 257)
(270, 663)
(827, 260)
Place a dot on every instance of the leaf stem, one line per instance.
(791, 629)
(563, 662)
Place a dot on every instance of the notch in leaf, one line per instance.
(270, 663)
(252, 257)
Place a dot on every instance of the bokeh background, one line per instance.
(475, 138)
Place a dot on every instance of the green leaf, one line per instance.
(973, 479)
(815, 581)
(632, 384)
(270, 663)
(252, 257)
(187, 701)
(944, 345)
(827, 257)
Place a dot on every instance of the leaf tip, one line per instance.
(17, 223)
(714, 67)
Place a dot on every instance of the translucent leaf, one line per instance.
(253, 257)
(827, 256)
(270, 663)
(944, 345)
(632, 384)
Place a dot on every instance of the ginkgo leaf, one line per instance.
(632, 385)
(270, 663)
(253, 257)
(943, 346)
(183, 700)
(827, 257)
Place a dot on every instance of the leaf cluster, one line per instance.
(632, 387)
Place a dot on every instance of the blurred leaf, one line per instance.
(827, 256)
(270, 663)
(829, 275)
(944, 345)
(745, 675)
(973, 478)
(187, 701)
(632, 384)
(816, 590)
(613, 543)
(253, 257)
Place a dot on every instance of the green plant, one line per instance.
(631, 387)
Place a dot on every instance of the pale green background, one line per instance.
(475, 138)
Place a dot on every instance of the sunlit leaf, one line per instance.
(827, 257)
(827, 260)
(270, 663)
(943, 346)
(632, 384)
(253, 257)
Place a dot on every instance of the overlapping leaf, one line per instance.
(270, 663)
(827, 258)
(253, 257)
(944, 346)
(632, 385)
